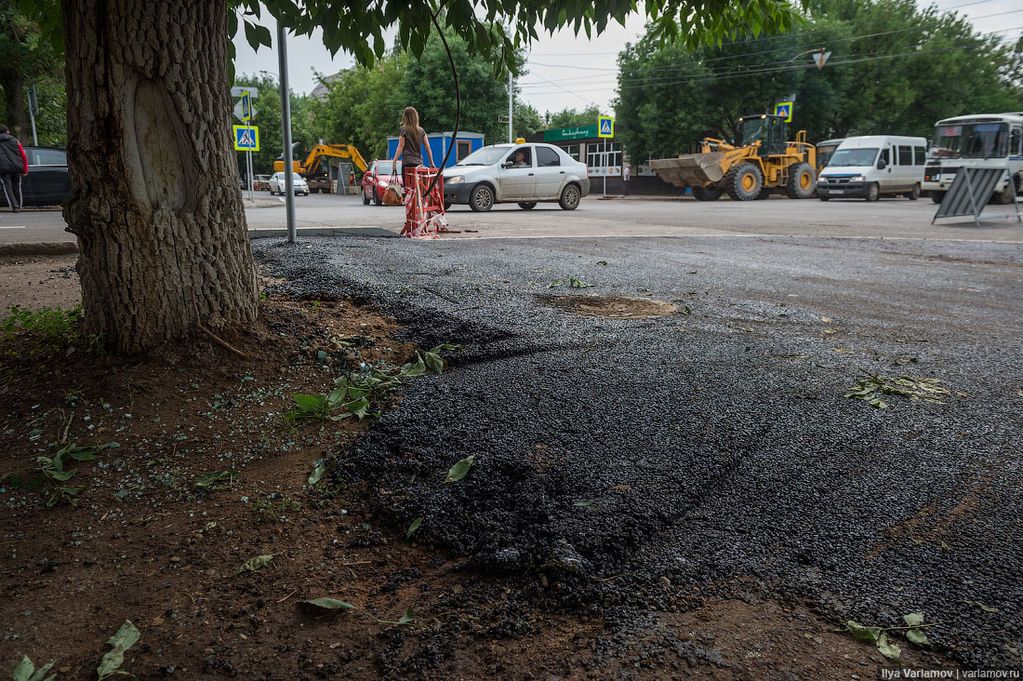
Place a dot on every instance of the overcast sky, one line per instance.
(566, 71)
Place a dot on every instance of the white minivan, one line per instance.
(868, 167)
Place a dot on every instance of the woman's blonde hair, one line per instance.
(410, 119)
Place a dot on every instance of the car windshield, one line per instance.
(387, 167)
(845, 158)
(979, 140)
(487, 156)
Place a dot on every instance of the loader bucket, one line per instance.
(690, 170)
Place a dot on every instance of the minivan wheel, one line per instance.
(482, 198)
(915, 194)
(570, 197)
(527, 205)
(873, 192)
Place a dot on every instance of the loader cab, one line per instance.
(770, 131)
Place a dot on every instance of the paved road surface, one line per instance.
(887, 218)
(712, 447)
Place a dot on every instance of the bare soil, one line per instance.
(38, 281)
(613, 307)
(143, 540)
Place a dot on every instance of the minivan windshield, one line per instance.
(847, 158)
(487, 156)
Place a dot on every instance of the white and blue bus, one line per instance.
(978, 141)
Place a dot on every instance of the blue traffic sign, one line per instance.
(605, 126)
(784, 109)
(246, 137)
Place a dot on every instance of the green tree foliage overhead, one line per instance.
(570, 118)
(894, 68)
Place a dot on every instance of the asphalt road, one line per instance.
(713, 446)
(888, 218)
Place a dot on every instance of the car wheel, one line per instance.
(377, 201)
(527, 205)
(365, 199)
(936, 197)
(570, 197)
(915, 194)
(873, 192)
(447, 205)
(1005, 196)
(482, 198)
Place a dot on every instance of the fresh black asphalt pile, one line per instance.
(713, 444)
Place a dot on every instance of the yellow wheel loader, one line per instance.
(763, 162)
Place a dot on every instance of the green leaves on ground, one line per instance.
(125, 638)
(329, 604)
(408, 617)
(26, 671)
(873, 388)
(256, 563)
(982, 606)
(319, 468)
(53, 469)
(460, 469)
(413, 527)
(355, 393)
(882, 640)
(215, 479)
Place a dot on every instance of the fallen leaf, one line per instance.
(985, 608)
(256, 563)
(413, 527)
(460, 469)
(327, 604)
(888, 647)
(862, 632)
(122, 640)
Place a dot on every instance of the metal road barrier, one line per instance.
(970, 192)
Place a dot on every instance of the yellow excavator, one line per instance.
(318, 178)
(763, 161)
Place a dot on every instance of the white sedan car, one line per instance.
(299, 184)
(522, 173)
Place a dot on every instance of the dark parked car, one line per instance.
(47, 182)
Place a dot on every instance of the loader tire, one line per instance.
(802, 181)
(744, 182)
(707, 193)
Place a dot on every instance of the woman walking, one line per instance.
(411, 142)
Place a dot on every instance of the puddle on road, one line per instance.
(612, 307)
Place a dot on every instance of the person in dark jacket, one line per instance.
(13, 165)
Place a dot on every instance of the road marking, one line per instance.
(12, 226)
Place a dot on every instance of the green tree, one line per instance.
(268, 118)
(155, 204)
(26, 58)
(570, 118)
(527, 120)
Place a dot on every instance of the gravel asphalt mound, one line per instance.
(713, 444)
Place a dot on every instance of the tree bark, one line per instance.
(155, 201)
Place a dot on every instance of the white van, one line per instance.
(868, 167)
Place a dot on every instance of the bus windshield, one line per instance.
(977, 140)
(846, 158)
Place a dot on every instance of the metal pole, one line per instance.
(248, 169)
(605, 166)
(511, 95)
(289, 183)
(32, 105)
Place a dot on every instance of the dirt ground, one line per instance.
(154, 537)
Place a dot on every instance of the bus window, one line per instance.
(948, 140)
(1016, 142)
(988, 140)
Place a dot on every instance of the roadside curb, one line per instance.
(71, 247)
(44, 248)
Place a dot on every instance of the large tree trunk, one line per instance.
(155, 201)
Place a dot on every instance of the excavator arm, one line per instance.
(321, 151)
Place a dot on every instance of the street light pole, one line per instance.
(289, 183)
(510, 96)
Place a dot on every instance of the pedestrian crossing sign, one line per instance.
(246, 137)
(605, 126)
(784, 109)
